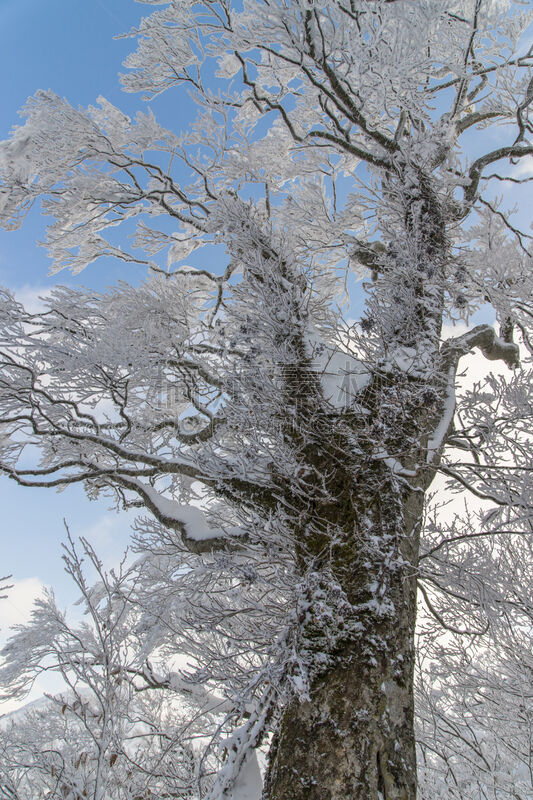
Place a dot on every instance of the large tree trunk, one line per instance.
(353, 738)
(358, 527)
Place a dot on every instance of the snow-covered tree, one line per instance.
(282, 450)
(115, 731)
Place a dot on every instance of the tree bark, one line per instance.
(353, 738)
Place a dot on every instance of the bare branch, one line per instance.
(484, 337)
(476, 170)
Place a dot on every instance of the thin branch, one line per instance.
(476, 170)
(520, 235)
(442, 621)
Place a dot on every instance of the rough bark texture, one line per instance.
(353, 738)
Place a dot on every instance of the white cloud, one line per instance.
(100, 533)
(15, 609)
(109, 535)
(473, 368)
(524, 168)
(31, 297)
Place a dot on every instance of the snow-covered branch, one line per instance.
(282, 444)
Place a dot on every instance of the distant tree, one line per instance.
(105, 736)
(284, 452)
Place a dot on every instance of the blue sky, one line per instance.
(66, 46)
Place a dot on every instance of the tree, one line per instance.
(283, 451)
(101, 737)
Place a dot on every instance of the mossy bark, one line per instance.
(353, 737)
(353, 740)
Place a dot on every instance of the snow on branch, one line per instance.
(282, 446)
(485, 338)
(190, 520)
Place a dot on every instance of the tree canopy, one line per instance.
(282, 452)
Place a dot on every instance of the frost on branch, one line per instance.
(281, 450)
